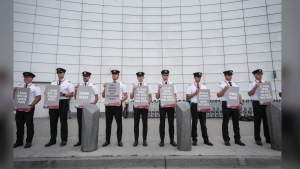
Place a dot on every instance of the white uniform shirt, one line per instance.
(143, 84)
(123, 89)
(251, 86)
(34, 91)
(94, 90)
(192, 89)
(221, 87)
(163, 83)
(65, 87)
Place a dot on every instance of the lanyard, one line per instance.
(87, 84)
(28, 86)
(228, 83)
(258, 81)
(196, 85)
(61, 81)
(164, 82)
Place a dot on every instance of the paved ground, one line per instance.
(152, 155)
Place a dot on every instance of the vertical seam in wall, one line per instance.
(222, 35)
(122, 59)
(142, 35)
(58, 32)
(181, 55)
(80, 42)
(33, 36)
(101, 48)
(246, 45)
(161, 37)
(201, 42)
(271, 51)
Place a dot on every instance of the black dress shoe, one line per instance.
(77, 144)
(17, 144)
(259, 143)
(194, 143)
(135, 143)
(161, 144)
(63, 143)
(50, 144)
(240, 143)
(106, 143)
(27, 145)
(173, 143)
(227, 143)
(145, 143)
(208, 143)
(120, 144)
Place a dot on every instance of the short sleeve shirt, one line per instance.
(221, 87)
(34, 91)
(192, 89)
(65, 87)
(94, 89)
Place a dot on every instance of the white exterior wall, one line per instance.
(183, 36)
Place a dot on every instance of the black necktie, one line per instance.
(59, 82)
(197, 85)
(140, 84)
(230, 83)
(85, 84)
(26, 85)
(259, 81)
(166, 83)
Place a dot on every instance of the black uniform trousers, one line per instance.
(260, 114)
(137, 115)
(79, 121)
(23, 118)
(163, 111)
(110, 112)
(62, 113)
(235, 114)
(202, 118)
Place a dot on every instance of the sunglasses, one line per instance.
(60, 72)
(165, 75)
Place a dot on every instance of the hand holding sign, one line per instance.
(197, 90)
(133, 87)
(257, 85)
(226, 87)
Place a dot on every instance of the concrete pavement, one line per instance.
(152, 156)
